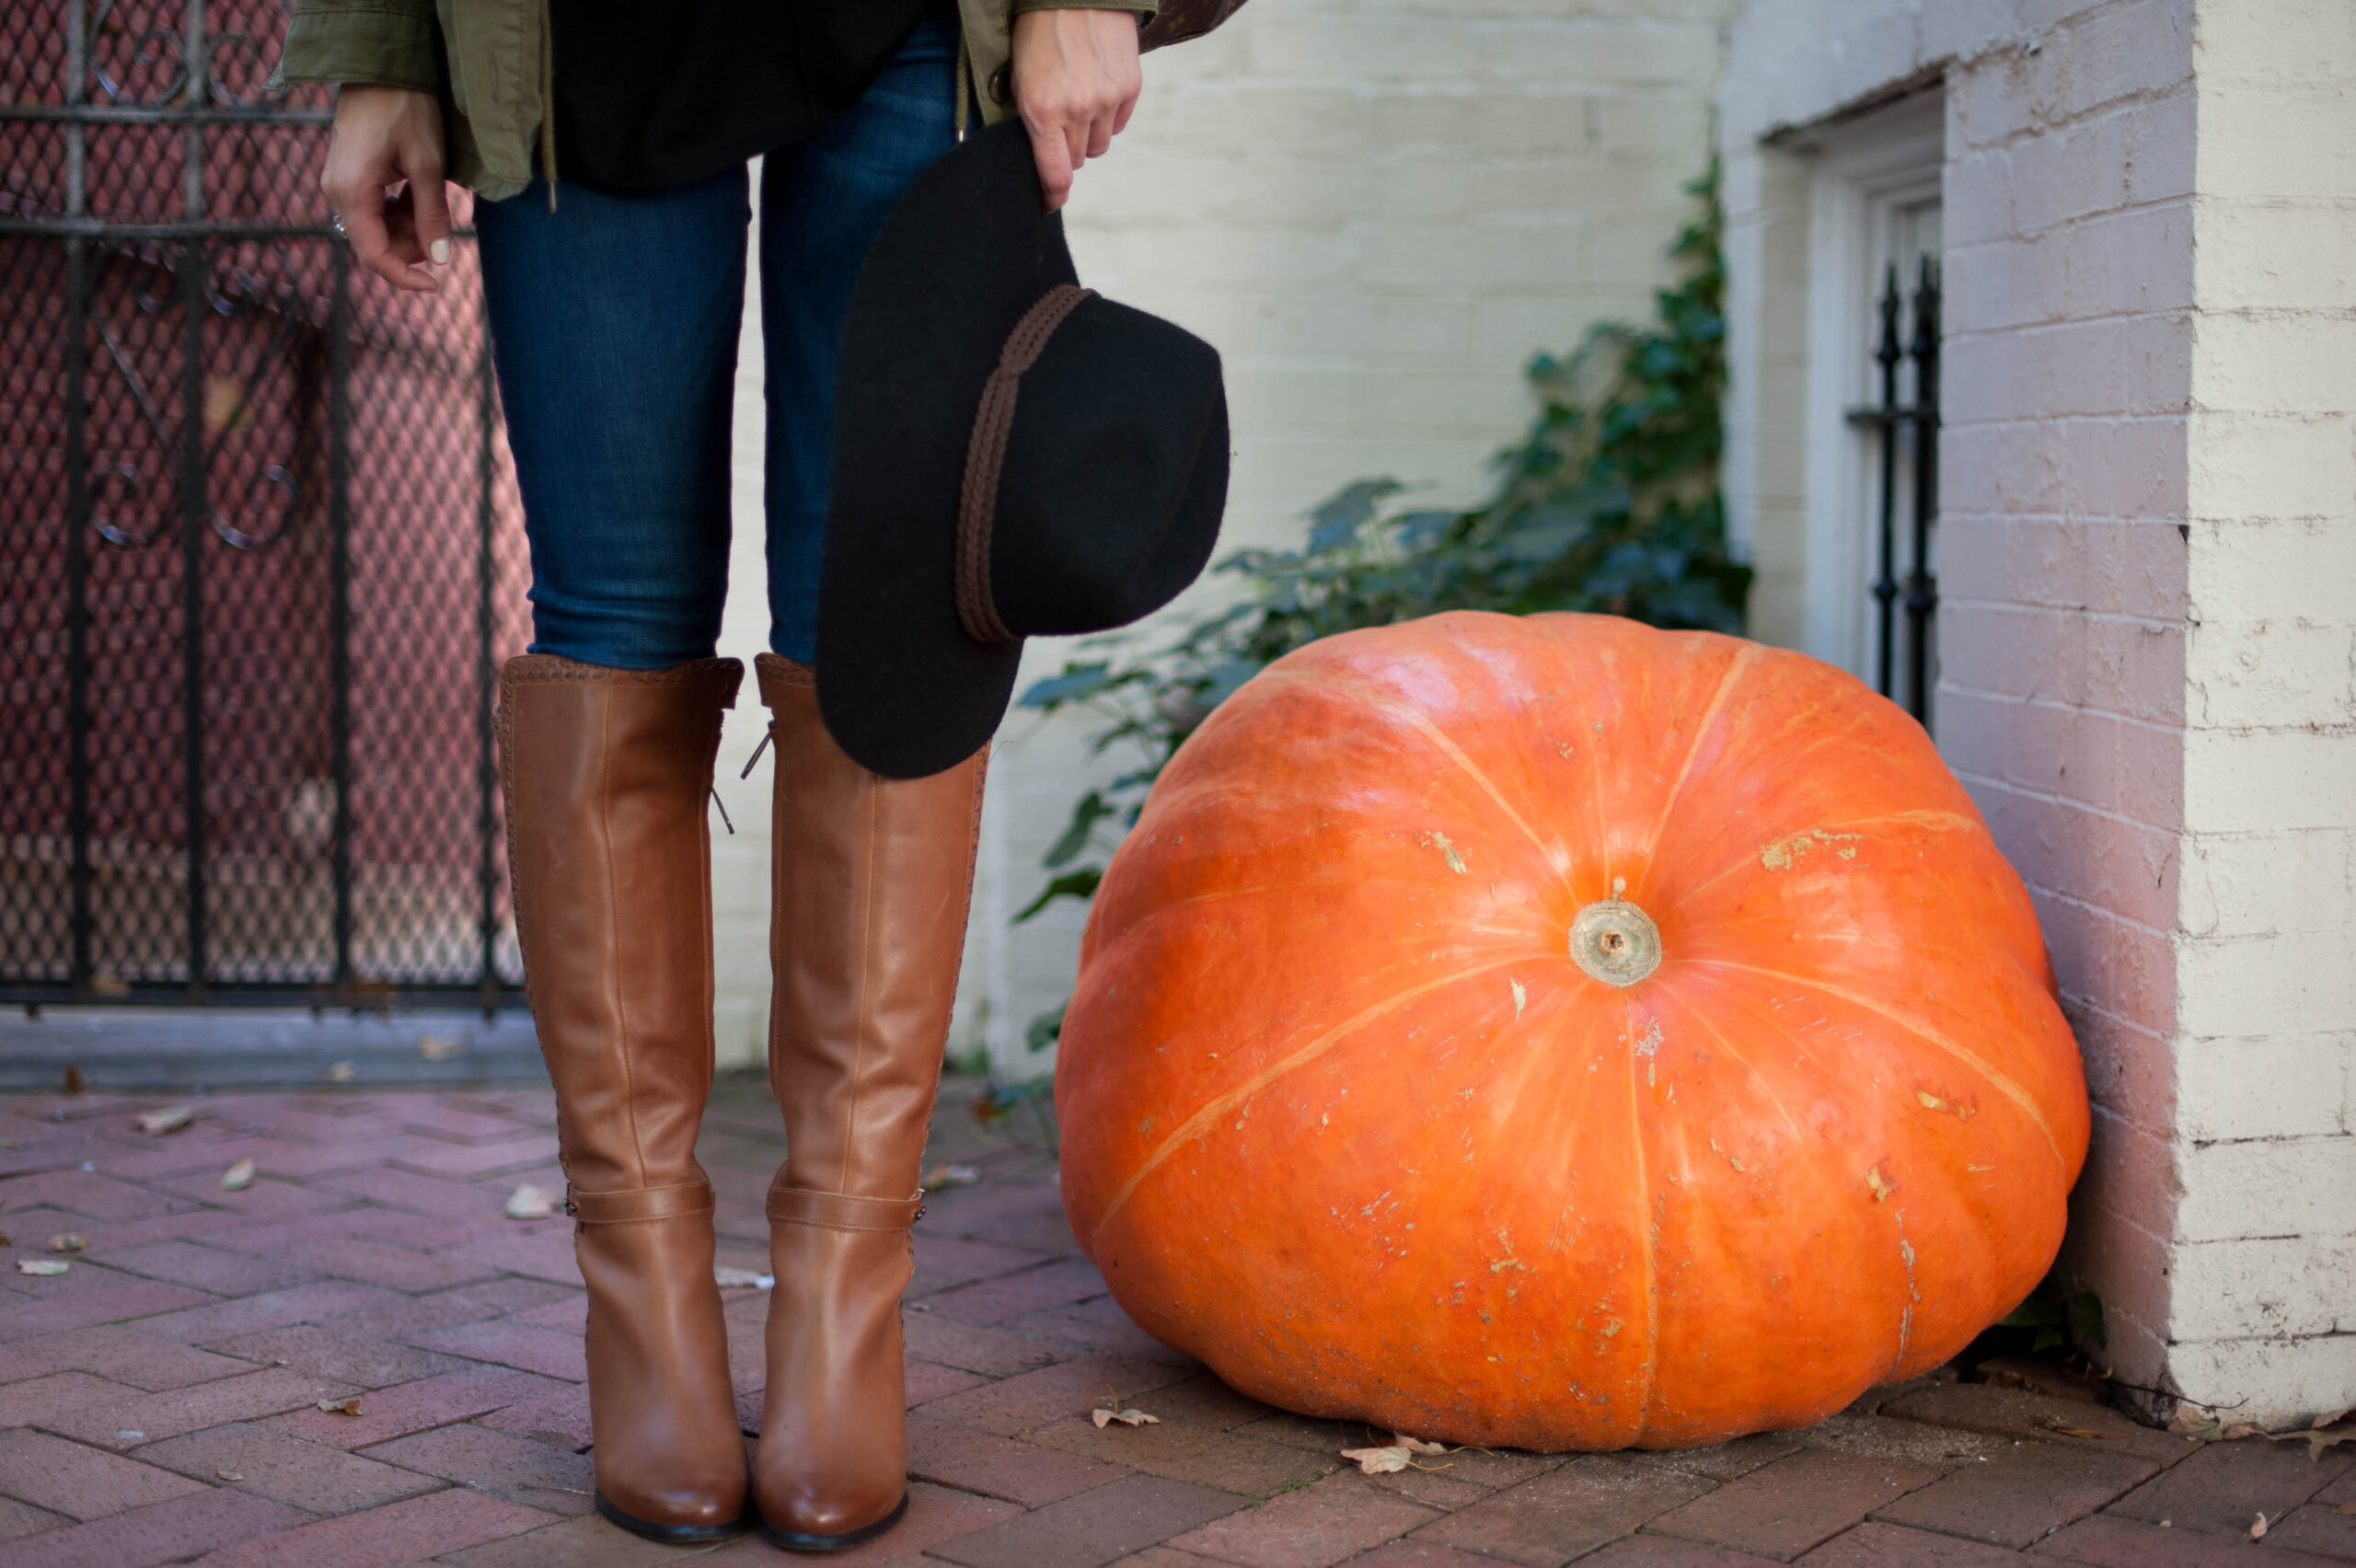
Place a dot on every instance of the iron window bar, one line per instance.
(1918, 591)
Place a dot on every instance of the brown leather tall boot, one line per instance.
(607, 772)
(871, 884)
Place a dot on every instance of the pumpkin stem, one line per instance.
(1616, 941)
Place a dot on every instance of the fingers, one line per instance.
(430, 200)
(1077, 82)
(400, 228)
(384, 180)
(365, 222)
(1052, 149)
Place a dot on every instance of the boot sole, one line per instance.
(676, 1535)
(796, 1540)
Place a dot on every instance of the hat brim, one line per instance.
(966, 252)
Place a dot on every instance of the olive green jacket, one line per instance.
(490, 63)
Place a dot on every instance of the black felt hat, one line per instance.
(1014, 457)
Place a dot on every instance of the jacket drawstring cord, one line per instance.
(964, 70)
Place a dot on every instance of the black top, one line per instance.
(654, 93)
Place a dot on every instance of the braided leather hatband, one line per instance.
(986, 456)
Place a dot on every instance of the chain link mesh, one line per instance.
(260, 547)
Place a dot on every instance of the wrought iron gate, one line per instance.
(258, 547)
(1910, 429)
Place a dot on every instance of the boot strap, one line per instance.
(839, 1211)
(639, 1204)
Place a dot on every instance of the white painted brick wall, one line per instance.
(2147, 632)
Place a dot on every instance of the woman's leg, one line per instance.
(614, 322)
(870, 880)
(822, 202)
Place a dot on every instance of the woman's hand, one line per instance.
(386, 137)
(1076, 79)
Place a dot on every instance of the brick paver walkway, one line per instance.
(160, 1401)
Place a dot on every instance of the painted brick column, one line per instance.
(2263, 1304)
(2148, 627)
(2069, 198)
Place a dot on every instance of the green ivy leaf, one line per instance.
(1045, 1029)
(1090, 809)
(1080, 884)
(1077, 682)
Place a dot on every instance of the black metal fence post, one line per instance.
(193, 521)
(79, 873)
(339, 609)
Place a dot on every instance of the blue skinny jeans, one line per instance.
(614, 322)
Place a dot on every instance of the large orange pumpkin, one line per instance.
(1561, 1033)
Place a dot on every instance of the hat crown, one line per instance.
(1100, 519)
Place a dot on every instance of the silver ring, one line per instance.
(336, 220)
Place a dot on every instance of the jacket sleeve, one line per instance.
(1179, 21)
(390, 43)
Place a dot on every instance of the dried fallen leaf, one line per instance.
(1417, 1445)
(42, 1265)
(2334, 1419)
(734, 1279)
(239, 1177)
(2258, 1528)
(168, 1119)
(342, 1072)
(2080, 1432)
(2191, 1420)
(2346, 1508)
(71, 1241)
(940, 1178)
(2239, 1430)
(441, 1047)
(227, 1474)
(3, 1239)
(1130, 1417)
(74, 1084)
(529, 1202)
(1378, 1461)
(340, 1407)
(106, 984)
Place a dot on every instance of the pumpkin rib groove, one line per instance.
(1647, 1225)
(2003, 1082)
(1930, 817)
(1214, 1108)
(1600, 833)
(1745, 657)
(1387, 704)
